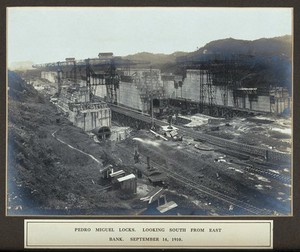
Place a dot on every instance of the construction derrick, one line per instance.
(112, 83)
(223, 80)
(59, 79)
(202, 95)
(224, 73)
(94, 71)
(216, 78)
(107, 75)
(207, 97)
(70, 70)
(209, 90)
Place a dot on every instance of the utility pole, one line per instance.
(59, 77)
(152, 120)
(75, 72)
(151, 96)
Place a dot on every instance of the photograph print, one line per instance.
(149, 111)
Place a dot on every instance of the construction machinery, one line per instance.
(104, 70)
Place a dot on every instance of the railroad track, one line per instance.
(260, 171)
(216, 141)
(215, 194)
(208, 191)
(268, 174)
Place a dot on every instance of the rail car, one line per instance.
(155, 176)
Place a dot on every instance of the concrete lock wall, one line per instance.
(92, 119)
(170, 91)
(262, 104)
(129, 95)
(191, 90)
(223, 96)
(50, 76)
(280, 105)
(101, 91)
(191, 85)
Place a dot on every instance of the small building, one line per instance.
(105, 55)
(157, 178)
(106, 171)
(70, 59)
(156, 196)
(116, 175)
(128, 183)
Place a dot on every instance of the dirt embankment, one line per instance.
(43, 173)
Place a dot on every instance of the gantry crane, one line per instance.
(95, 71)
(214, 73)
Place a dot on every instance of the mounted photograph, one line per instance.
(149, 111)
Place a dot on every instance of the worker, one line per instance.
(136, 157)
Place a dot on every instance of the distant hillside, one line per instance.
(156, 59)
(21, 65)
(19, 89)
(262, 62)
(278, 46)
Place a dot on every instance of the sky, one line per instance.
(51, 34)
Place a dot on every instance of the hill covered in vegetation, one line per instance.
(263, 62)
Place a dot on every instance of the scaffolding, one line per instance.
(207, 99)
(216, 74)
(94, 71)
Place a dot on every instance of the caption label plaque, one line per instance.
(148, 234)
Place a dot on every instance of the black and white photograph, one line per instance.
(149, 111)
